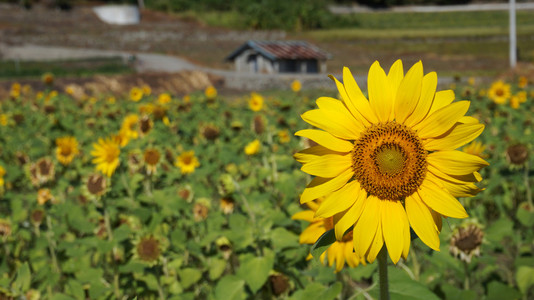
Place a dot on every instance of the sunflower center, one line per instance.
(112, 154)
(499, 92)
(66, 150)
(389, 161)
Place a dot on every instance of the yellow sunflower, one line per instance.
(522, 82)
(106, 156)
(388, 163)
(67, 149)
(2, 173)
(296, 86)
(499, 92)
(253, 147)
(130, 125)
(255, 103)
(340, 251)
(187, 162)
(136, 94)
(210, 92)
(164, 98)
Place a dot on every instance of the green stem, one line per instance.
(51, 246)
(383, 273)
(467, 275)
(527, 187)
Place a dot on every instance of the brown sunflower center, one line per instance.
(66, 150)
(152, 157)
(389, 161)
(148, 249)
(112, 154)
(499, 92)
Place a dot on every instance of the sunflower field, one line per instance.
(160, 196)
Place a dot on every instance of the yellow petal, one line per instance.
(366, 226)
(339, 200)
(441, 99)
(441, 120)
(336, 106)
(459, 179)
(311, 234)
(458, 136)
(328, 166)
(306, 215)
(351, 216)
(468, 119)
(340, 257)
(393, 227)
(428, 91)
(395, 76)
(437, 220)
(407, 237)
(352, 259)
(456, 189)
(440, 200)
(335, 122)
(409, 93)
(376, 244)
(455, 162)
(319, 186)
(357, 102)
(421, 221)
(379, 92)
(309, 154)
(350, 103)
(326, 140)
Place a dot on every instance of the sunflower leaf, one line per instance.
(327, 239)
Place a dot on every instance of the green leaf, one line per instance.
(324, 241)
(216, 268)
(189, 276)
(121, 233)
(362, 272)
(61, 297)
(75, 289)
(255, 270)
(23, 278)
(283, 238)
(498, 230)
(454, 293)
(98, 289)
(498, 291)
(525, 278)
(402, 287)
(230, 288)
(525, 215)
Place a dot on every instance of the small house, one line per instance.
(273, 57)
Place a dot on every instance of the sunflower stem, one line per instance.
(467, 276)
(527, 186)
(383, 273)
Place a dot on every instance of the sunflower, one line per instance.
(164, 98)
(148, 249)
(499, 92)
(296, 86)
(466, 241)
(388, 163)
(255, 103)
(136, 94)
(44, 195)
(130, 125)
(340, 251)
(187, 162)
(106, 156)
(210, 92)
(253, 147)
(151, 158)
(522, 82)
(2, 173)
(67, 149)
(283, 136)
(42, 171)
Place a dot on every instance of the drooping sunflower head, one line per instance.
(227, 205)
(67, 149)
(151, 158)
(517, 154)
(388, 162)
(210, 132)
(145, 125)
(187, 162)
(106, 156)
(96, 185)
(148, 249)
(255, 103)
(44, 195)
(42, 171)
(201, 209)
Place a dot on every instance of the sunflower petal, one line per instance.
(366, 226)
(441, 99)
(392, 227)
(376, 244)
(428, 91)
(421, 221)
(395, 76)
(440, 200)
(309, 154)
(311, 234)
(319, 186)
(306, 215)
(335, 122)
(351, 216)
(409, 92)
(455, 162)
(339, 200)
(379, 92)
(357, 102)
(458, 136)
(326, 140)
(441, 120)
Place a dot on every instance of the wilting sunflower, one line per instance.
(340, 251)
(95, 186)
(42, 171)
(44, 195)
(67, 149)
(499, 92)
(148, 249)
(466, 241)
(130, 126)
(187, 162)
(388, 163)
(106, 156)
(255, 103)
(151, 158)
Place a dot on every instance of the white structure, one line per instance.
(118, 14)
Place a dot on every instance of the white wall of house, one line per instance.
(249, 61)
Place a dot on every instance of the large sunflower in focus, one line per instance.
(388, 163)
(106, 156)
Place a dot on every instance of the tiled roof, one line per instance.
(283, 50)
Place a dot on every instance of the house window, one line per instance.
(252, 62)
(312, 66)
(288, 66)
